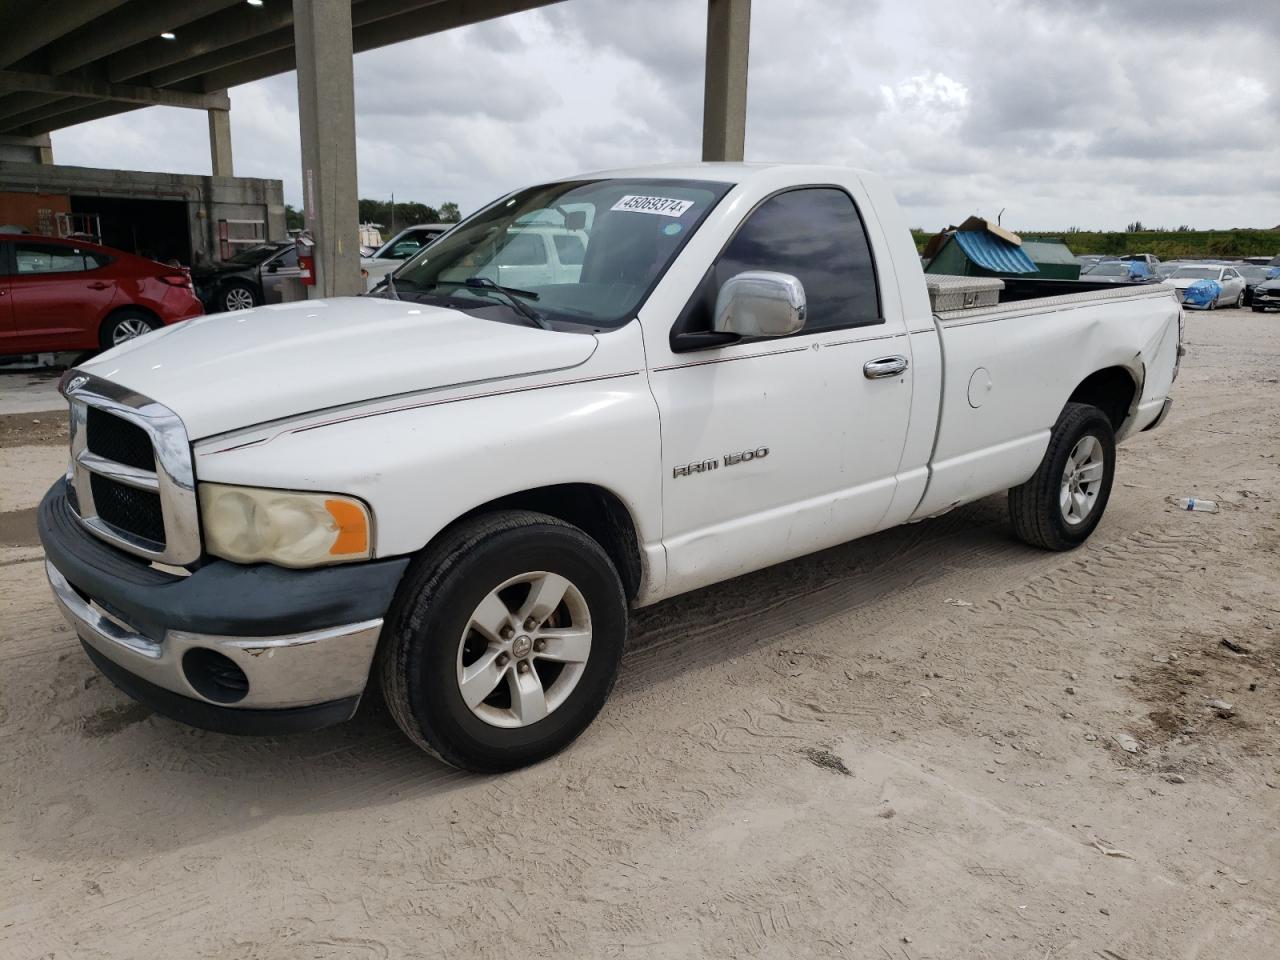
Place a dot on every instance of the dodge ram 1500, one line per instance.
(457, 489)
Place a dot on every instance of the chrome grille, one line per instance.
(128, 508)
(119, 440)
(130, 481)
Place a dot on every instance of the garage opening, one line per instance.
(158, 229)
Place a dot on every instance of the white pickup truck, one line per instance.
(455, 491)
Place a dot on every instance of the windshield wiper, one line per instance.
(510, 294)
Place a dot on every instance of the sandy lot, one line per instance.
(900, 749)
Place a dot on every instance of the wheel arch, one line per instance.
(599, 512)
(1113, 390)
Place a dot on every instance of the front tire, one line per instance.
(504, 641)
(1062, 503)
(1239, 304)
(125, 325)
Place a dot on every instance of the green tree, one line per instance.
(292, 218)
(449, 212)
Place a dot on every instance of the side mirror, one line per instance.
(760, 303)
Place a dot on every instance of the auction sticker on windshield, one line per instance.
(662, 206)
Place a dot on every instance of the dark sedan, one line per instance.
(252, 277)
(1254, 275)
(1266, 295)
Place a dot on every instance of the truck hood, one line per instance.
(230, 370)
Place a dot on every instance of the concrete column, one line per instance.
(327, 117)
(44, 149)
(724, 105)
(220, 142)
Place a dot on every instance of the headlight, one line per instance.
(254, 525)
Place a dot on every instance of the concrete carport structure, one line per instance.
(64, 62)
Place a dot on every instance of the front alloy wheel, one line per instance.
(503, 641)
(237, 298)
(524, 649)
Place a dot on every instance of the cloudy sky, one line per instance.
(1088, 113)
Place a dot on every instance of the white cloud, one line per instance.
(1067, 112)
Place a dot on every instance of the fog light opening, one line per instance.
(214, 676)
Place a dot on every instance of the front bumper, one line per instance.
(240, 649)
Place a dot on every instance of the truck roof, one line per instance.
(718, 172)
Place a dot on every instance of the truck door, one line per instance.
(779, 447)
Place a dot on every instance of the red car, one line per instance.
(61, 294)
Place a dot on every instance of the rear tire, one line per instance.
(474, 669)
(125, 325)
(1239, 301)
(1062, 503)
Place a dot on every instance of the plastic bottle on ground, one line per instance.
(1195, 503)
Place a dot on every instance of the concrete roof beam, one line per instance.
(126, 28)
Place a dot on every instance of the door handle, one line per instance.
(884, 367)
(98, 285)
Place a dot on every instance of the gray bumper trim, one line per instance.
(284, 671)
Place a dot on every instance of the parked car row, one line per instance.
(1201, 284)
(65, 294)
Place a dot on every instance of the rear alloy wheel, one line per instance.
(1062, 503)
(238, 296)
(503, 641)
(1240, 300)
(125, 325)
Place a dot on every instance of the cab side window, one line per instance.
(816, 235)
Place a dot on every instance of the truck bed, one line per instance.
(1027, 296)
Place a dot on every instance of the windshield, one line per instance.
(1255, 273)
(578, 252)
(1109, 268)
(255, 255)
(1196, 273)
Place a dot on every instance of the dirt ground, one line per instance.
(906, 748)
